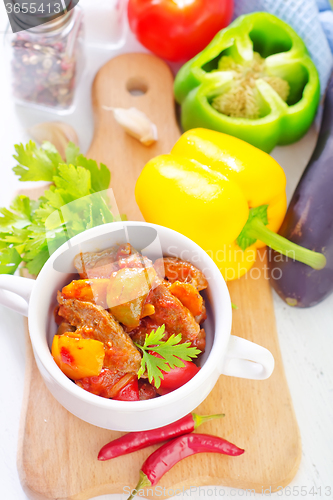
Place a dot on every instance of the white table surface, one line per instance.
(306, 336)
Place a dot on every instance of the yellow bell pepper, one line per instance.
(90, 290)
(223, 193)
(78, 357)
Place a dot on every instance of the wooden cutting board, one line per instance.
(57, 453)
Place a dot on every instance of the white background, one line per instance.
(306, 336)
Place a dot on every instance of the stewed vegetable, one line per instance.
(128, 328)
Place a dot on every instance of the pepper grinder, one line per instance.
(46, 53)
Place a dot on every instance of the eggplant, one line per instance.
(309, 223)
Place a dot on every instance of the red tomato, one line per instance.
(178, 29)
(176, 377)
(129, 393)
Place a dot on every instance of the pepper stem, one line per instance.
(256, 229)
(143, 482)
(201, 419)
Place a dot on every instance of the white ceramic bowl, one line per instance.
(225, 353)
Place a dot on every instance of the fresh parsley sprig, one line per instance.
(28, 234)
(172, 352)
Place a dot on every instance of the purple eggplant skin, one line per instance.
(309, 223)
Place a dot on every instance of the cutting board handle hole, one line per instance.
(136, 86)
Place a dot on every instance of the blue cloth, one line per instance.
(323, 5)
(326, 19)
(311, 19)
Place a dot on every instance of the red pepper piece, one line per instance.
(176, 377)
(134, 441)
(129, 393)
(168, 455)
(105, 384)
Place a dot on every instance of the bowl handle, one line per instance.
(15, 292)
(246, 359)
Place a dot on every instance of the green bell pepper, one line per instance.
(255, 81)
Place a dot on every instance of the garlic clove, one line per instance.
(136, 124)
(58, 133)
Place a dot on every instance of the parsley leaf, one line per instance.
(72, 182)
(22, 205)
(100, 177)
(71, 153)
(30, 231)
(36, 164)
(172, 352)
(9, 260)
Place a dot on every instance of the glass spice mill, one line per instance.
(46, 53)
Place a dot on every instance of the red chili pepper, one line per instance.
(134, 441)
(168, 455)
